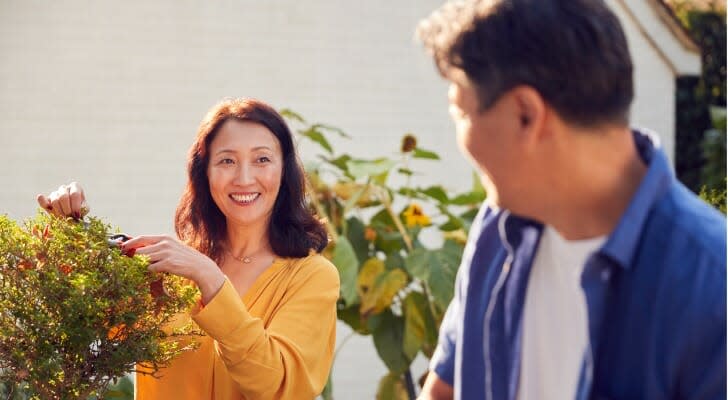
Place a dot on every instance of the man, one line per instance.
(591, 272)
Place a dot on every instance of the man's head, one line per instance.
(522, 71)
(572, 52)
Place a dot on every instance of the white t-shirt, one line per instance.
(555, 318)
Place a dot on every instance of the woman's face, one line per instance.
(244, 171)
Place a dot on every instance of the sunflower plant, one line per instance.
(395, 284)
(76, 313)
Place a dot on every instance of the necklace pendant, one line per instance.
(247, 260)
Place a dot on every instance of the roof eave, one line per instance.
(680, 52)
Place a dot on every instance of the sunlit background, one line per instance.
(110, 94)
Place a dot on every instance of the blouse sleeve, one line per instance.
(290, 358)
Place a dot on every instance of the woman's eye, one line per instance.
(226, 161)
(263, 159)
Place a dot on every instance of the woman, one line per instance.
(247, 240)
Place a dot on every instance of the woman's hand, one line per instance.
(67, 201)
(167, 254)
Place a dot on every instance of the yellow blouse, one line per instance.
(276, 342)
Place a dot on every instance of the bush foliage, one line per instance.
(76, 313)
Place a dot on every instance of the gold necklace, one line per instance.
(244, 259)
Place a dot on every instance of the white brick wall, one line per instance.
(111, 93)
(654, 102)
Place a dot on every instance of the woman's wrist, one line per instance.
(210, 283)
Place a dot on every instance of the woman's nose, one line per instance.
(244, 175)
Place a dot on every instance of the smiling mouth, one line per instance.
(244, 198)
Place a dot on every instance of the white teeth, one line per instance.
(244, 198)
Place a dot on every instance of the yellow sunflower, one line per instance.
(414, 216)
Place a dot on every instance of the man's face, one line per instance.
(486, 137)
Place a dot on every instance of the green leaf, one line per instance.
(718, 117)
(467, 218)
(441, 280)
(437, 268)
(405, 171)
(368, 274)
(289, 114)
(388, 239)
(345, 260)
(374, 321)
(436, 192)
(478, 185)
(420, 330)
(394, 260)
(364, 196)
(468, 198)
(318, 137)
(409, 192)
(382, 218)
(355, 234)
(417, 263)
(388, 340)
(392, 387)
(328, 392)
(470, 214)
(369, 168)
(453, 250)
(414, 325)
(417, 301)
(332, 129)
(339, 162)
(451, 225)
(425, 154)
(351, 316)
(380, 179)
(377, 287)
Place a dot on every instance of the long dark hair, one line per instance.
(293, 230)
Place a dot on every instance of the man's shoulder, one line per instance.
(684, 253)
(685, 222)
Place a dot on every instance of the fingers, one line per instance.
(44, 202)
(167, 254)
(157, 248)
(66, 201)
(79, 208)
(143, 241)
(62, 201)
(162, 258)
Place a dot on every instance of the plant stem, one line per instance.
(336, 353)
(408, 243)
(430, 304)
(343, 342)
(322, 213)
(388, 206)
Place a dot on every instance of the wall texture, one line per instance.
(111, 93)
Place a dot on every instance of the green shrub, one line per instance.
(76, 313)
(714, 197)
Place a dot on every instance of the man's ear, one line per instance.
(531, 110)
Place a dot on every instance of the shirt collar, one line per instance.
(622, 242)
